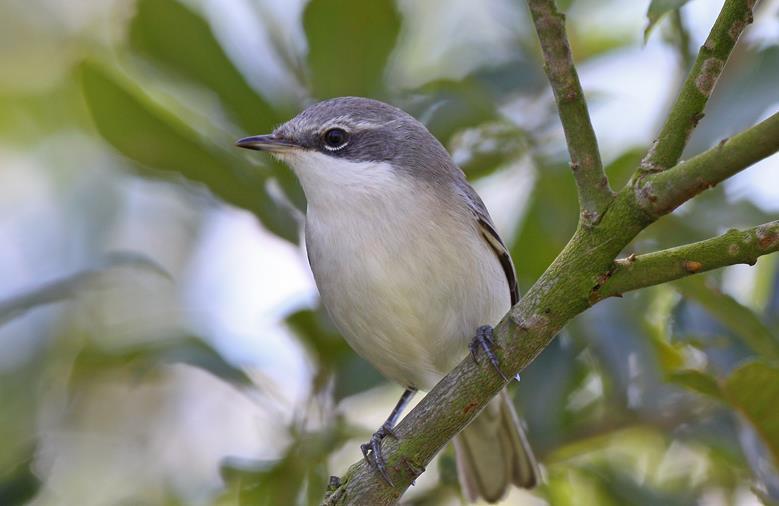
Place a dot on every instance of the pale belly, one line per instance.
(406, 295)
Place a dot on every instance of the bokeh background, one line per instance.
(161, 340)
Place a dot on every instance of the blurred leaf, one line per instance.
(20, 485)
(482, 150)
(349, 43)
(753, 389)
(519, 73)
(195, 53)
(319, 335)
(353, 374)
(145, 358)
(30, 117)
(546, 401)
(741, 320)
(148, 134)
(745, 91)
(621, 168)
(767, 287)
(658, 9)
(589, 44)
(549, 222)
(60, 289)
(696, 380)
(447, 106)
(623, 488)
(657, 321)
(303, 467)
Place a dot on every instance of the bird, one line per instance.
(409, 267)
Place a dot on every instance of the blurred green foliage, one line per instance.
(651, 399)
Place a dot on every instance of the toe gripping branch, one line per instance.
(371, 450)
(484, 341)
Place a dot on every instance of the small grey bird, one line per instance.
(408, 265)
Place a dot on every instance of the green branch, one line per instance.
(733, 247)
(595, 194)
(695, 92)
(663, 192)
(563, 291)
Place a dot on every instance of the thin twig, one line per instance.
(695, 92)
(595, 194)
(733, 247)
(661, 193)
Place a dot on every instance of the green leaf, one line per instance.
(68, 286)
(196, 54)
(658, 9)
(353, 374)
(621, 168)
(753, 390)
(696, 380)
(549, 223)
(148, 134)
(349, 43)
(304, 466)
(147, 357)
(21, 484)
(450, 106)
(741, 320)
(482, 150)
(175, 37)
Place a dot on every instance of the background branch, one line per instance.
(733, 247)
(592, 185)
(687, 111)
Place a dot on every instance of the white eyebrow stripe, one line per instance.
(349, 124)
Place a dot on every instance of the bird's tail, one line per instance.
(493, 453)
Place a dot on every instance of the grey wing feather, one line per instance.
(487, 229)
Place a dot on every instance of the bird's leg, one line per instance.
(372, 449)
(484, 341)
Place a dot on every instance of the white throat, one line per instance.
(328, 181)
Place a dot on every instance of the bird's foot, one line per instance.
(484, 341)
(371, 451)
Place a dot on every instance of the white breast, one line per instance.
(404, 273)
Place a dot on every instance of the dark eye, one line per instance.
(335, 139)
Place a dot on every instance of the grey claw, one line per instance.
(484, 341)
(371, 451)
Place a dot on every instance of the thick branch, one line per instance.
(562, 292)
(733, 247)
(592, 185)
(661, 193)
(688, 108)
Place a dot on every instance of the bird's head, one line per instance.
(353, 141)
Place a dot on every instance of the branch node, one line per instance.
(692, 266)
(710, 71)
(767, 236)
(416, 470)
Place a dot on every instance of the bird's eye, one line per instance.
(335, 139)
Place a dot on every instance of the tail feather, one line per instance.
(493, 453)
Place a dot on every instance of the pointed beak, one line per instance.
(269, 143)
